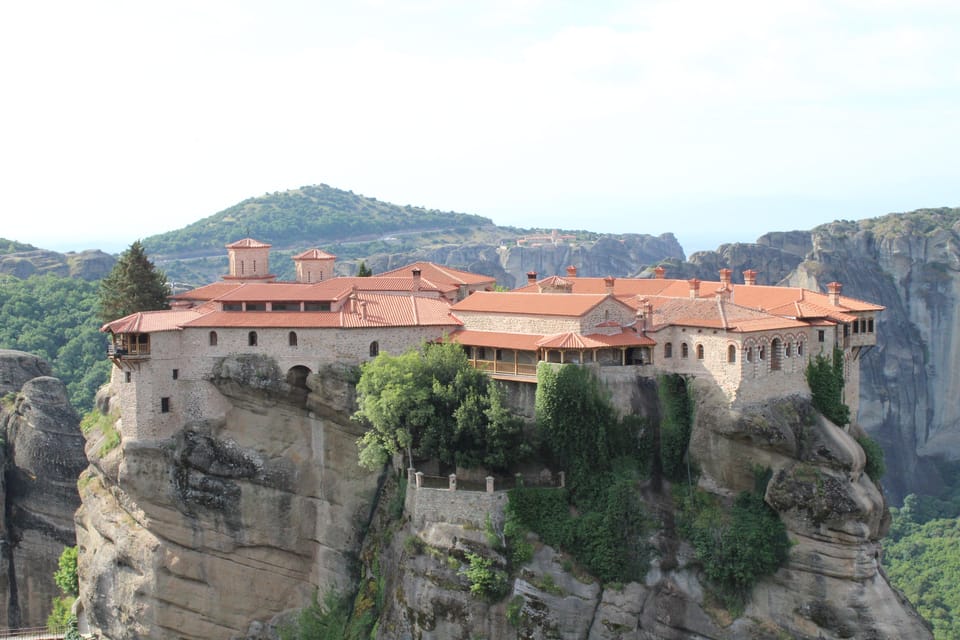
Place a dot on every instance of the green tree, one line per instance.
(66, 575)
(363, 271)
(411, 403)
(134, 284)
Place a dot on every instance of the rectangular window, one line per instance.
(869, 325)
(285, 306)
(176, 373)
(232, 306)
(256, 306)
(856, 326)
(164, 405)
(317, 306)
(820, 335)
(127, 376)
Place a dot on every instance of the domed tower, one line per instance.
(314, 265)
(249, 261)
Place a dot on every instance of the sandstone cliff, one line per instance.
(42, 456)
(213, 532)
(831, 586)
(92, 264)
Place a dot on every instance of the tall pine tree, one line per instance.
(134, 284)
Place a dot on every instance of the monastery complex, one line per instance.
(752, 340)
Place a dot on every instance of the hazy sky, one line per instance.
(717, 120)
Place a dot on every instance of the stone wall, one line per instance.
(470, 508)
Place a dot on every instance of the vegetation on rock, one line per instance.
(676, 424)
(61, 618)
(876, 464)
(134, 284)
(599, 518)
(735, 545)
(825, 377)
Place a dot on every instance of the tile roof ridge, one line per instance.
(723, 313)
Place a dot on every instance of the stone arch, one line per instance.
(297, 376)
(776, 353)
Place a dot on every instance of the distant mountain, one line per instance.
(355, 228)
(24, 260)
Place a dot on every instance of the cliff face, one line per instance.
(910, 263)
(831, 586)
(215, 531)
(620, 255)
(42, 456)
(92, 264)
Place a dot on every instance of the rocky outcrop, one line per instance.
(220, 529)
(509, 263)
(92, 264)
(831, 586)
(42, 456)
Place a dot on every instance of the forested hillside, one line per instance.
(311, 215)
(55, 318)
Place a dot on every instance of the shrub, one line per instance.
(486, 581)
(876, 464)
(825, 378)
(735, 546)
(320, 621)
(59, 618)
(515, 610)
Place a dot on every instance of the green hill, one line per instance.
(309, 216)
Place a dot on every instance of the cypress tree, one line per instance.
(134, 284)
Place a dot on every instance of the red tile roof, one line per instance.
(248, 243)
(151, 321)
(314, 254)
(382, 310)
(208, 291)
(497, 339)
(442, 275)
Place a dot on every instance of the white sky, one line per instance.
(717, 120)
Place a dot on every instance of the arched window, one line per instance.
(668, 350)
(292, 338)
(762, 352)
(374, 349)
(749, 354)
(213, 338)
(252, 338)
(699, 352)
(799, 348)
(787, 348)
(775, 348)
(684, 350)
(732, 353)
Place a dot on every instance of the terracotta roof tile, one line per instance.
(151, 321)
(248, 243)
(314, 254)
(441, 274)
(497, 339)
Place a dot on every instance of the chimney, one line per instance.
(660, 272)
(608, 283)
(694, 287)
(363, 309)
(833, 291)
(725, 278)
(644, 314)
(416, 279)
(571, 271)
(531, 277)
(749, 277)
